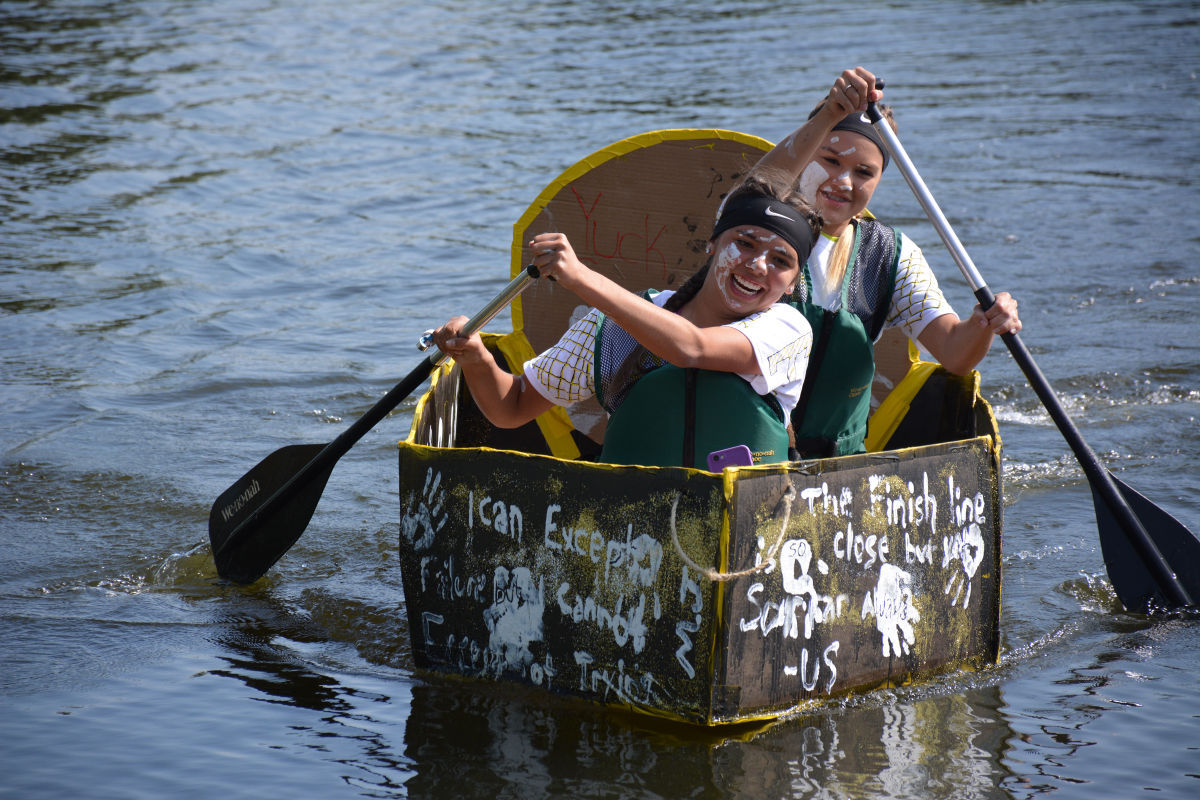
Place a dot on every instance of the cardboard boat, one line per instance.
(699, 597)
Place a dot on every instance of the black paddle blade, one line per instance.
(245, 542)
(1132, 578)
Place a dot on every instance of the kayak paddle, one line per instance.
(1153, 561)
(257, 519)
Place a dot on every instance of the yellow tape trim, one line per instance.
(555, 424)
(439, 373)
(894, 408)
(601, 156)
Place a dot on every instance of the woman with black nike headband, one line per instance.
(723, 342)
(863, 276)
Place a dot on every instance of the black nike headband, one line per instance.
(773, 215)
(858, 123)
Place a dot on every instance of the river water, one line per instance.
(223, 224)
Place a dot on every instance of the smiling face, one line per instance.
(751, 269)
(840, 180)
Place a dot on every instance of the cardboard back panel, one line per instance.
(639, 212)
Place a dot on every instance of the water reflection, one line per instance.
(444, 738)
(286, 683)
(471, 744)
(938, 746)
(352, 725)
(935, 747)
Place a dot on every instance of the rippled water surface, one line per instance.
(224, 224)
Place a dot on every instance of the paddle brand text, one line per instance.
(239, 502)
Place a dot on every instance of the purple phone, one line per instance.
(737, 456)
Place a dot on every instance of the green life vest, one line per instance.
(650, 409)
(831, 416)
(649, 427)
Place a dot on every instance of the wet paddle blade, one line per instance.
(254, 522)
(1151, 558)
(247, 537)
(1132, 579)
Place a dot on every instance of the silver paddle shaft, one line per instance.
(1104, 488)
(485, 314)
(932, 210)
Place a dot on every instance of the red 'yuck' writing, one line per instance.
(608, 243)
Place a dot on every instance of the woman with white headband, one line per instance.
(863, 276)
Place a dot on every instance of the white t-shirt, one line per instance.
(916, 301)
(780, 335)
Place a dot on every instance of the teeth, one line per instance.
(745, 287)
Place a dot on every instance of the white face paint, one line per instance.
(811, 179)
(723, 267)
(731, 256)
(843, 180)
(848, 152)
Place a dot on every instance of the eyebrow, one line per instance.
(825, 148)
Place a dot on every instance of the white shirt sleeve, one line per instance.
(917, 300)
(563, 372)
(780, 335)
(782, 341)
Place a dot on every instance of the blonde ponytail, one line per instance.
(839, 259)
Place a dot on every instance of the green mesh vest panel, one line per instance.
(833, 421)
(871, 276)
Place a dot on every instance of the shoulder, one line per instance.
(579, 335)
(912, 263)
(873, 226)
(880, 244)
(787, 314)
(909, 248)
(781, 316)
(588, 321)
